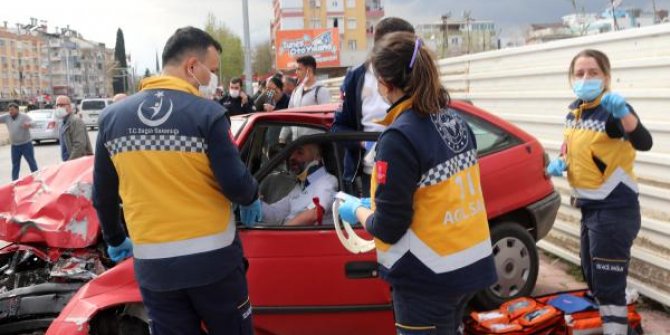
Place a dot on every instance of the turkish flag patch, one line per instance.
(380, 168)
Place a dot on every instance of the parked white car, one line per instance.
(90, 109)
(45, 125)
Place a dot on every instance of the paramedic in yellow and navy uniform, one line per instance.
(428, 219)
(167, 152)
(602, 133)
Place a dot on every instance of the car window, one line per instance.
(490, 138)
(268, 139)
(93, 105)
(236, 125)
(285, 195)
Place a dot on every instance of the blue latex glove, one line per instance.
(556, 167)
(121, 252)
(347, 209)
(252, 213)
(615, 104)
(366, 202)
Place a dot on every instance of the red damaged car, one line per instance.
(301, 279)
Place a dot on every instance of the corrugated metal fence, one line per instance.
(529, 87)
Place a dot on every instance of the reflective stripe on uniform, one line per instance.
(439, 264)
(618, 176)
(611, 328)
(591, 331)
(186, 247)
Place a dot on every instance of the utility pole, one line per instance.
(616, 25)
(445, 34)
(466, 16)
(19, 47)
(51, 82)
(653, 5)
(247, 47)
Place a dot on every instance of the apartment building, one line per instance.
(353, 20)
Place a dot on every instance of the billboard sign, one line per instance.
(322, 44)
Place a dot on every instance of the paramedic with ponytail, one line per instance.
(602, 133)
(428, 216)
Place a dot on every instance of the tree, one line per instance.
(580, 18)
(232, 57)
(120, 82)
(262, 59)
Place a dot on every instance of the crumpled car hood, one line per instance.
(52, 205)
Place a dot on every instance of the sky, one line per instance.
(147, 24)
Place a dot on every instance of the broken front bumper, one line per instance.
(33, 308)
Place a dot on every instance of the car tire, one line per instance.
(129, 325)
(517, 265)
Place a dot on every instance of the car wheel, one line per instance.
(129, 325)
(516, 262)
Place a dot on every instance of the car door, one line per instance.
(505, 166)
(301, 279)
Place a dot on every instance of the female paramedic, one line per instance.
(428, 216)
(602, 133)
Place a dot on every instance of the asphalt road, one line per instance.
(45, 154)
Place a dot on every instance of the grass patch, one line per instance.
(575, 271)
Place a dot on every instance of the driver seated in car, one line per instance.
(311, 199)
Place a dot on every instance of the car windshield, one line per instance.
(236, 124)
(93, 105)
(44, 114)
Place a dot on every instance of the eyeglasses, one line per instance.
(62, 105)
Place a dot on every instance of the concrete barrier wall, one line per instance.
(529, 87)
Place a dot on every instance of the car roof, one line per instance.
(326, 111)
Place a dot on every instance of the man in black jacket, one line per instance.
(236, 101)
(363, 105)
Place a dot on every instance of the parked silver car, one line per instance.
(45, 125)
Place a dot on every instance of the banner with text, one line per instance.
(322, 44)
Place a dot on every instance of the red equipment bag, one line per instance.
(588, 321)
(540, 318)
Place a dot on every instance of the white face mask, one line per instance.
(234, 93)
(207, 91)
(61, 113)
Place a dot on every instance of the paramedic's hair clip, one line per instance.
(417, 46)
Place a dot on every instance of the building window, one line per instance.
(351, 24)
(335, 5)
(336, 22)
(289, 23)
(351, 3)
(353, 45)
(316, 23)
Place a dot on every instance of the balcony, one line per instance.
(374, 12)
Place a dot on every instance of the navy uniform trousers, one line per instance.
(606, 239)
(223, 307)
